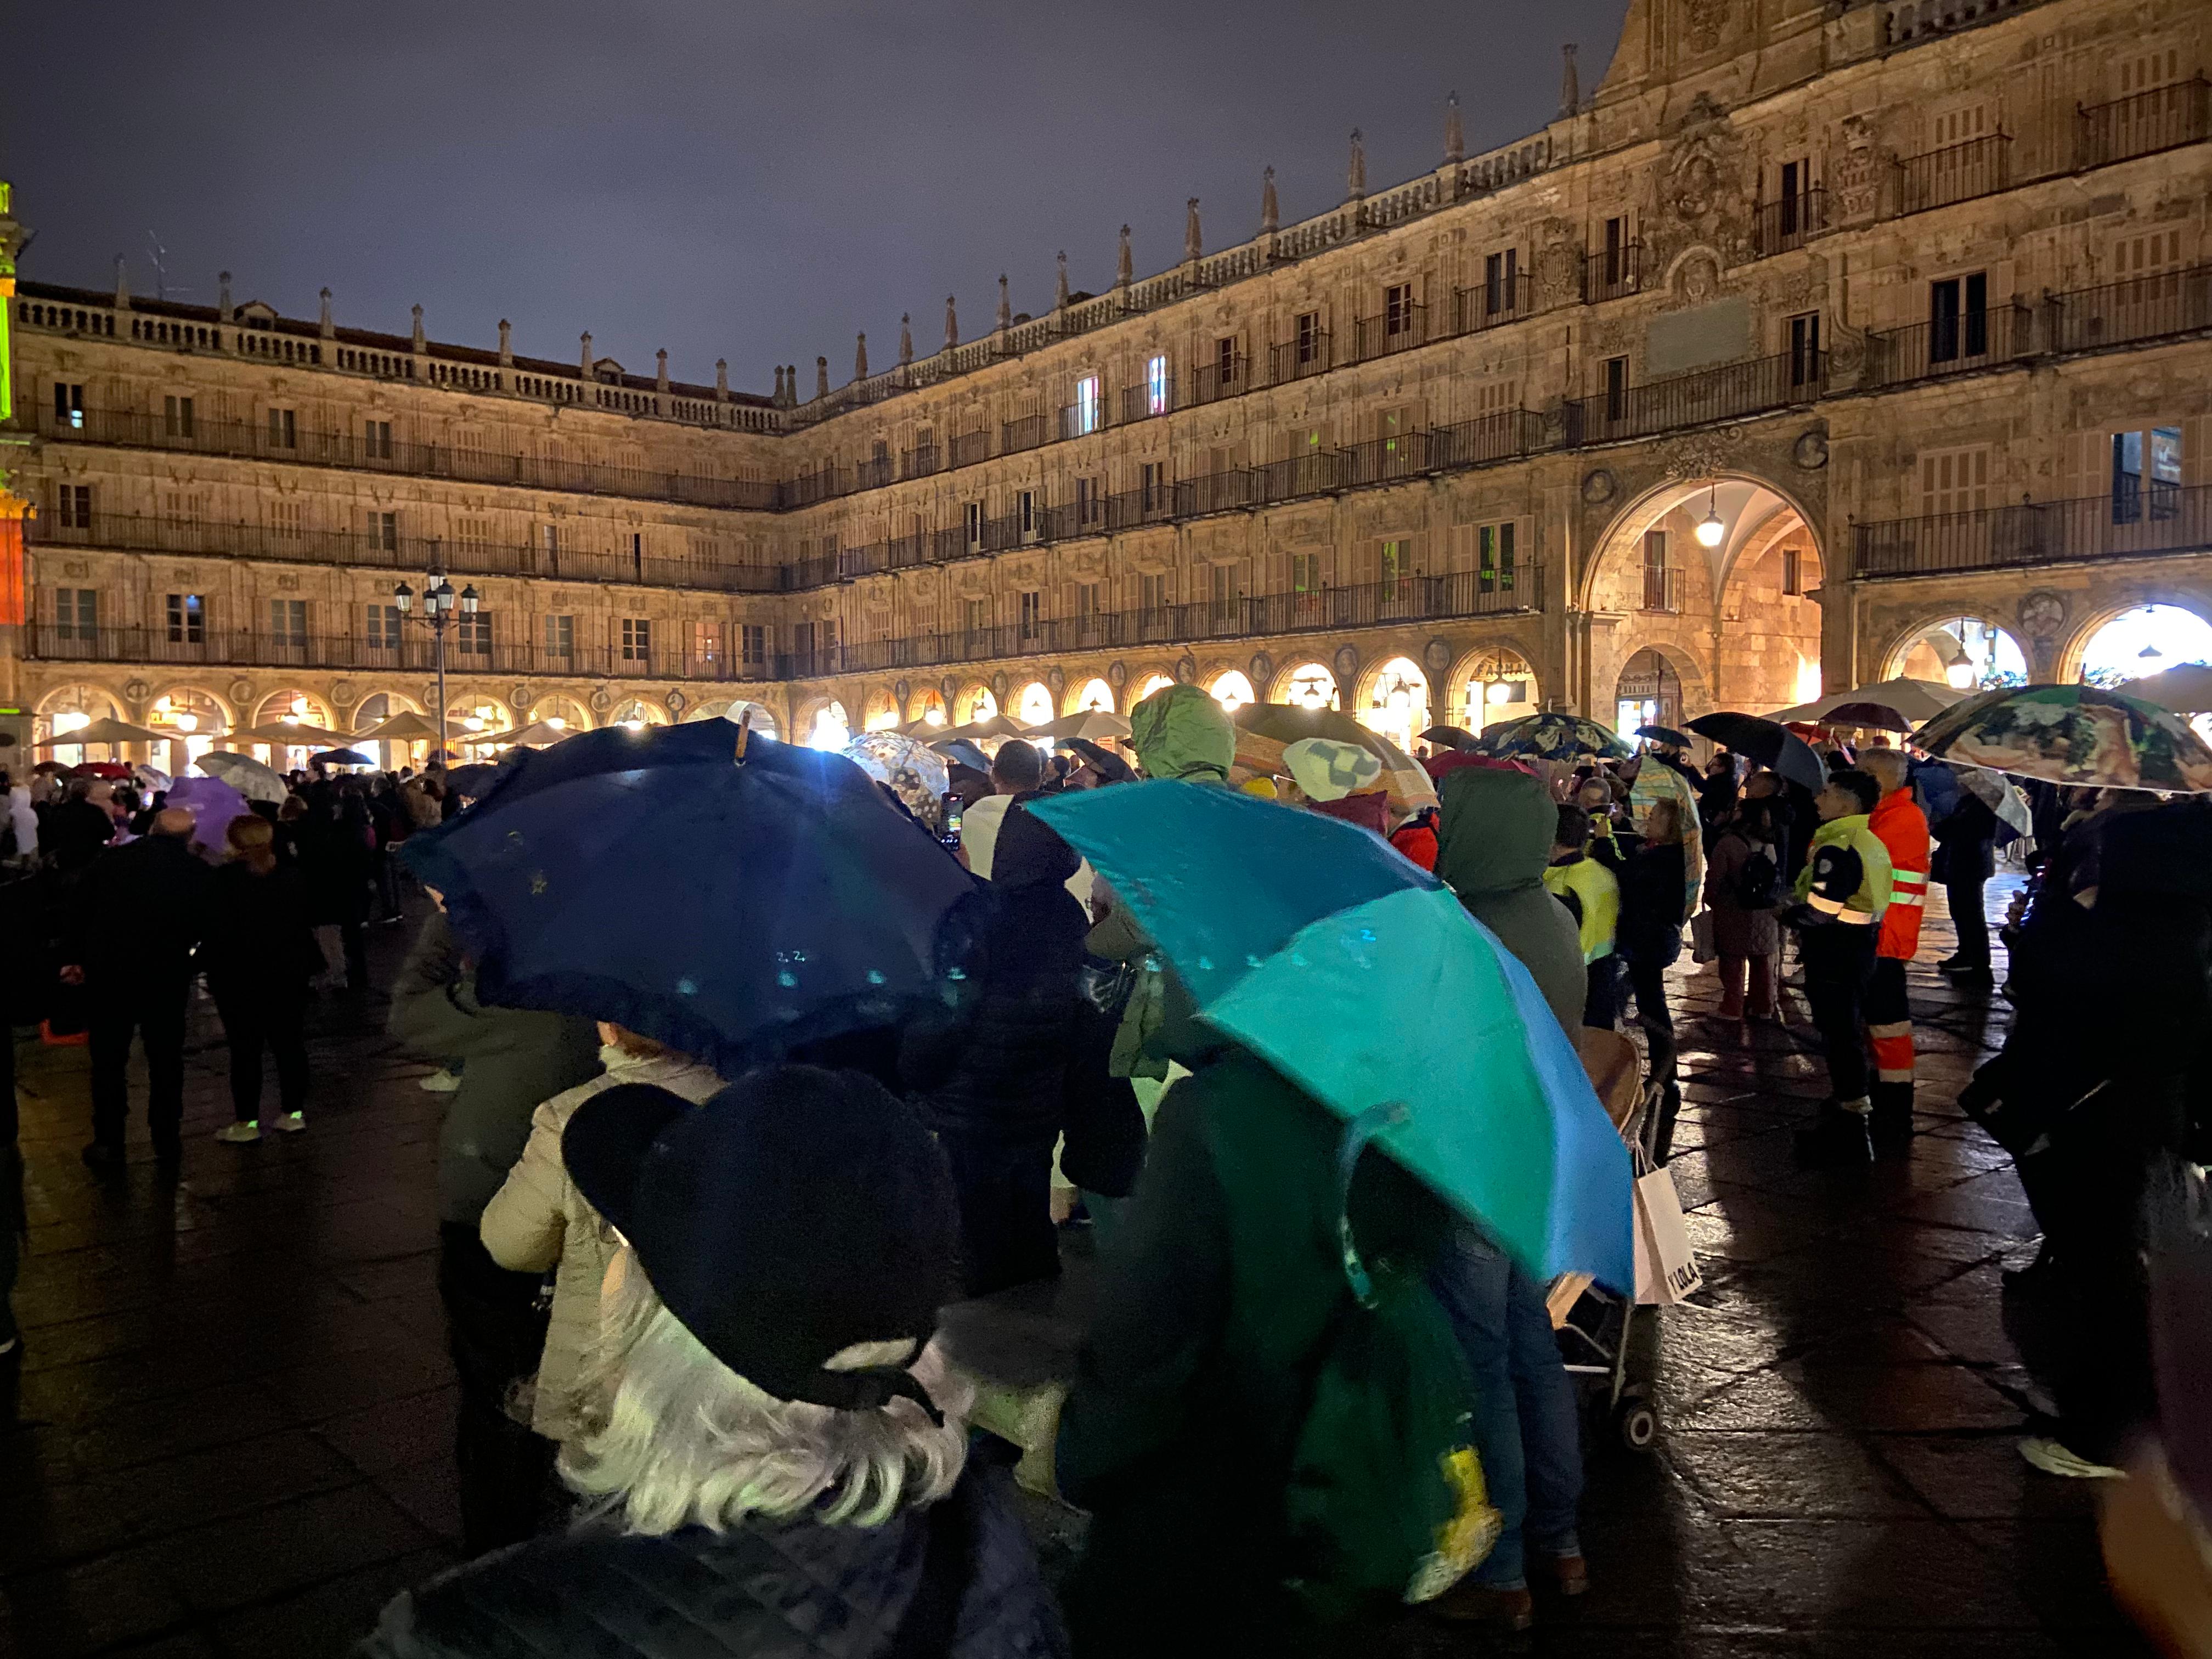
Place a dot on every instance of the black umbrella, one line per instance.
(1452, 737)
(344, 757)
(1766, 742)
(1106, 763)
(1663, 734)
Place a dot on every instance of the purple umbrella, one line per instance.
(213, 804)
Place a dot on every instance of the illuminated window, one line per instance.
(1156, 384)
(1086, 404)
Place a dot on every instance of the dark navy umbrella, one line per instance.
(732, 909)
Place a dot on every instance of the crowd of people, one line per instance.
(694, 1317)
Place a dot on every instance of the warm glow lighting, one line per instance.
(1711, 530)
(299, 709)
(558, 722)
(933, 715)
(185, 722)
(633, 725)
(1961, 675)
(473, 723)
(75, 720)
(1499, 691)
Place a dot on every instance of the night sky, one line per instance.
(727, 180)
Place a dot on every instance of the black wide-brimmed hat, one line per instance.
(798, 1211)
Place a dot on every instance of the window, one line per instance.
(76, 613)
(288, 622)
(707, 642)
(1391, 426)
(1309, 336)
(1025, 514)
(1616, 388)
(1086, 604)
(1501, 274)
(2147, 254)
(376, 440)
(1153, 590)
(73, 506)
(1959, 126)
(1805, 348)
(560, 636)
(1032, 613)
(1156, 384)
(1397, 564)
(1958, 317)
(753, 638)
(1494, 557)
(473, 638)
(384, 627)
(384, 531)
(1222, 581)
(187, 619)
(1789, 210)
(1954, 480)
(1398, 308)
(1616, 250)
(636, 639)
(1305, 573)
(283, 429)
(1224, 361)
(971, 516)
(1793, 569)
(285, 519)
(1658, 577)
(177, 416)
(1089, 501)
(1150, 481)
(1087, 396)
(802, 643)
(2146, 468)
(472, 535)
(69, 406)
(2152, 69)
(979, 615)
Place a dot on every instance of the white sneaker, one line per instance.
(439, 1083)
(240, 1134)
(2052, 1458)
(288, 1123)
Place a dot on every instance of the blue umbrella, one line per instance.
(732, 909)
(1360, 977)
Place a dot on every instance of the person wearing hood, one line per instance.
(23, 820)
(1339, 780)
(1181, 732)
(1493, 845)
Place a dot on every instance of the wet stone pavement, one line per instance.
(233, 1430)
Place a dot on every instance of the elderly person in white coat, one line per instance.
(537, 1221)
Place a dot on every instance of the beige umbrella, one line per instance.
(287, 734)
(1092, 725)
(536, 734)
(407, 727)
(1911, 703)
(2187, 690)
(243, 774)
(983, 731)
(108, 730)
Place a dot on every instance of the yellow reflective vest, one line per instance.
(1596, 895)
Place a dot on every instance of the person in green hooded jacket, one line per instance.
(1492, 850)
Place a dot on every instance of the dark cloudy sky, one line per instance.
(750, 179)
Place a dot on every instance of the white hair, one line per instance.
(676, 1438)
(1887, 766)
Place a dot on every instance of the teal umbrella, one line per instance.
(1360, 977)
(1551, 737)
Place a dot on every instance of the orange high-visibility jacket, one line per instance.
(1900, 824)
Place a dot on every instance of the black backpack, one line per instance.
(1758, 884)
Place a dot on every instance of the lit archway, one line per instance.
(2147, 640)
(71, 708)
(562, 714)
(1093, 696)
(827, 727)
(1149, 685)
(974, 702)
(882, 711)
(1033, 704)
(755, 716)
(928, 708)
(372, 712)
(1968, 653)
(192, 721)
(1396, 702)
(638, 713)
(1306, 685)
(1491, 687)
(291, 708)
(1231, 689)
(1648, 693)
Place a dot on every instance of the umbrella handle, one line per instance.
(1373, 1121)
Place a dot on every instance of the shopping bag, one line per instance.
(1666, 1267)
(1702, 948)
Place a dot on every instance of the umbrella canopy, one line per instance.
(536, 735)
(246, 775)
(407, 727)
(1451, 737)
(2073, 734)
(916, 774)
(469, 780)
(152, 776)
(344, 757)
(1091, 724)
(1892, 705)
(984, 731)
(1264, 729)
(1360, 977)
(926, 730)
(2187, 690)
(1104, 762)
(1551, 736)
(107, 730)
(962, 752)
(729, 908)
(113, 771)
(1997, 793)
(213, 804)
(1656, 781)
(1666, 734)
(1767, 742)
(288, 734)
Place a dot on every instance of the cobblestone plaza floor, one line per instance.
(233, 1417)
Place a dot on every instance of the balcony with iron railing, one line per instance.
(1952, 345)
(307, 446)
(1709, 394)
(1957, 172)
(2137, 521)
(1024, 431)
(1218, 378)
(1148, 399)
(2120, 314)
(922, 461)
(1493, 303)
(1778, 226)
(2158, 119)
(1401, 328)
(1663, 589)
(1294, 360)
(1612, 273)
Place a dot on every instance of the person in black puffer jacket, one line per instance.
(991, 1075)
(780, 1465)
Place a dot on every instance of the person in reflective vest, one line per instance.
(1841, 893)
(1592, 895)
(1902, 828)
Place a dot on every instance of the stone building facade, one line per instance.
(1820, 340)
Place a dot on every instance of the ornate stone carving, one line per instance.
(1262, 669)
(1700, 454)
(1698, 277)
(1436, 655)
(1855, 176)
(1347, 665)
(1703, 184)
(949, 686)
(1598, 486)
(1185, 671)
(1703, 23)
(1056, 677)
(1117, 676)
(343, 691)
(602, 699)
(1810, 452)
(241, 690)
(677, 703)
(76, 567)
(998, 685)
(519, 697)
(899, 689)
(136, 690)
(2042, 614)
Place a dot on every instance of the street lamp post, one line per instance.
(437, 615)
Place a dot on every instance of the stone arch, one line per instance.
(292, 702)
(1297, 682)
(226, 711)
(1624, 532)
(817, 720)
(648, 710)
(1504, 661)
(2074, 646)
(1393, 695)
(880, 710)
(1087, 692)
(558, 705)
(764, 719)
(1146, 681)
(925, 699)
(975, 701)
(1031, 703)
(1679, 660)
(1225, 681)
(87, 697)
(1897, 659)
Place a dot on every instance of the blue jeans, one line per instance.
(1524, 1404)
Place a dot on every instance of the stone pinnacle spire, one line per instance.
(860, 358)
(1059, 285)
(1005, 304)
(821, 377)
(906, 339)
(1123, 270)
(1355, 178)
(1571, 90)
(1454, 131)
(951, 324)
(1270, 215)
(1194, 241)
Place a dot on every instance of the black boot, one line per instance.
(1836, 1140)
(1890, 1124)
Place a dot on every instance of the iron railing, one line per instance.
(1294, 360)
(1613, 272)
(922, 461)
(1778, 226)
(2140, 126)
(1144, 401)
(1708, 394)
(1400, 329)
(1215, 380)
(1979, 339)
(2141, 521)
(2140, 309)
(1027, 431)
(1488, 304)
(1663, 589)
(1957, 172)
